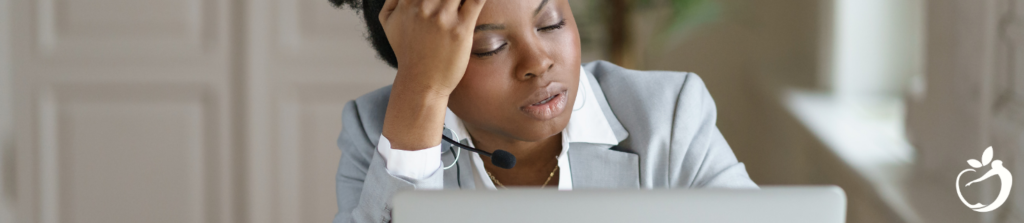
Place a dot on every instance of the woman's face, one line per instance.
(522, 76)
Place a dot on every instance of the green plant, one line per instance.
(672, 18)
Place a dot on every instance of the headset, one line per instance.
(499, 158)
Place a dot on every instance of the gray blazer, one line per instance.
(664, 122)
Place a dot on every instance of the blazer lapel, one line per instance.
(600, 166)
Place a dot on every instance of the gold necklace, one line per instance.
(495, 180)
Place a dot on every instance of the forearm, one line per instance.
(415, 115)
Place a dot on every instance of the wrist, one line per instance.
(415, 117)
(431, 83)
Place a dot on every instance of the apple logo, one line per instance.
(1005, 178)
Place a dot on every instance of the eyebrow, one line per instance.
(488, 27)
(541, 6)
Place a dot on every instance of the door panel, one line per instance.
(122, 111)
(128, 154)
(123, 32)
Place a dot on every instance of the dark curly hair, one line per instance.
(374, 30)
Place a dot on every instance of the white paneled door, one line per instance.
(180, 110)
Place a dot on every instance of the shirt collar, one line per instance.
(588, 123)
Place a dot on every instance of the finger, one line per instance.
(385, 12)
(470, 11)
(451, 5)
(430, 6)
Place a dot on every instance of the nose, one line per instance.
(534, 61)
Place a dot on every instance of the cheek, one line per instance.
(484, 79)
(570, 45)
(480, 91)
(565, 46)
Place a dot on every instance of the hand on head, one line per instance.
(432, 40)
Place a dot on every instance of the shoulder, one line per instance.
(657, 88)
(662, 111)
(652, 96)
(364, 116)
(671, 121)
(605, 70)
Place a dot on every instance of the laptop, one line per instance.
(819, 204)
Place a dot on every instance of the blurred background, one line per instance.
(228, 110)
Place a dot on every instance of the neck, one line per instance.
(538, 154)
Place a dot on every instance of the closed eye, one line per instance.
(559, 25)
(495, 51)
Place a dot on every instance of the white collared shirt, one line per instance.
(587, 124)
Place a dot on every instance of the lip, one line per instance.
(556, 95)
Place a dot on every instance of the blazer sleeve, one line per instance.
(698, 147)
(364, 186)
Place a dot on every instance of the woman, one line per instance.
(506, 74)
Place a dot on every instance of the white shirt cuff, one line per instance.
(410, 165)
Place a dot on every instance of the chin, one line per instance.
(540, 130)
